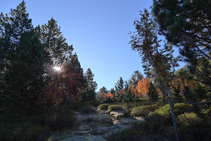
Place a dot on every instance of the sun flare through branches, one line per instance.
(57, 68)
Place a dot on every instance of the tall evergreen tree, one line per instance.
(25, 57)
(145, 41)
(112, 91)
(186, 23)
(99, 95)
(89, 92)
(120, 84)
(51, 37)
(153, 95)
(135, 78)
(89, 76)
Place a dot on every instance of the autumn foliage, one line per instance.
(105, 95)
(63, 86)
(143, 87)
(189, 83)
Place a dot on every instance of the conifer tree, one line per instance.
(112, 91)
(54, 42)
(120, 84)
(186, 23)
(89, 76)
(135, 78)
(153, 95)
(89, 92)
(25, 57)
(145, 41)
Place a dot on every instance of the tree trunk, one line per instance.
(172, 108)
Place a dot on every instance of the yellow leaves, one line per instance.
(143, 87)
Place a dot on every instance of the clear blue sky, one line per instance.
(98, 31)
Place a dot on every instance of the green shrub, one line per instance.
(23, 132)
(151, 129)
(115, 107)
(20, 127)
(103, 106)
(127, 113)
(165, 111)
(62, 122)
(94, 103)
(142, 110)
(87, 109)
(195, 132)
(188, 118)
(77, 105)
(199, 91)
(206, 113)
(129, 105)
(108, 100)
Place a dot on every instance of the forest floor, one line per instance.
(95, 126)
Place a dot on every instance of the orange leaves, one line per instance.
(143, 87)
(133, 90)
(160, 93)
(110, 95)
(189, 83)
(105, 95)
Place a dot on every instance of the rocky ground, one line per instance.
(95, 126)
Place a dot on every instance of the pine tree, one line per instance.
(89, 76)
(135, 78)
(120, 84)
(145, 41)
(153, 95)
(26, 58)
(55, 44)
(89, 92)
(112, 91)
(186, 23)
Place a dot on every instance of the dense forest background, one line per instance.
(41, 79)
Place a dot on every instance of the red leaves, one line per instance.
(64, 85)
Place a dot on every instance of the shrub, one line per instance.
(199, 91)
(127, 113)
(188, 118)
(87, 109)
(206, 113)
(108, 100)
(165, 111)
(151, 129)
(94, 103)
(115, 107)
(62, 122)
(20, 127)
(23, 132)
(103, 106)
(195, 132)
(77, 105)
(142, 110)
(129, 105)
